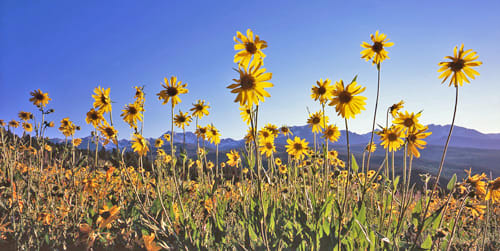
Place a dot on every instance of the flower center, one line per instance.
(172, 91)
(457, 65)
(377, 47)
(408, 122)
(104, 99)
(265, 134)
(182, 119)
(297, 146)
(345, 97)
(321, 90)
(94, 116)
(132, 110)
(109, 131)
(269, 145)
(392, 137)
(412, 138)
(106, 215)
(39, 96)
(247, 82)
(316, 120)
(250, 47)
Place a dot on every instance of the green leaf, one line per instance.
(355, 166)
(452, 182)
(427, 243)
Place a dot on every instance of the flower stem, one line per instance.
(374, 119)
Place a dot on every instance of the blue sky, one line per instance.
(67, 48)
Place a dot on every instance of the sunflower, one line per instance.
(102, 101)
(132, 113)
(371, 147)
(278, 162)
(267, 147)
(109, 133)
(285, 130)
(76, 142)
(406, 121)
(25, 116)
(296, 147)
(415, 140)
(200, 109)
(283, 169)
(167, 137)
(39, 98)
(391, 138)
(13, 124)
(2, 123)
(213, 134)
(158, 143)
(149, 243)
(377, 49)
(394, 109)
(139, 144)
(323, 91)
(233, 157)
(249, 136)
(245, 113)
(28, 127)
(94, 117)
(494, 190)
(331, 133)
(67, 127)
(139, 95)
(478, 183)
(272, 128)
(172, 90)
(475, 209)
(250, 86)
(50, 124)
(201, 132)
(346, 103)
(317, 122)
(182, 119)
(248, 47)
(210, 165)
(265, 134)
(107, 215)
(459, 68)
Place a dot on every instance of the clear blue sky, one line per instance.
(67, 48)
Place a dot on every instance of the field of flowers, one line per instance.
(69, 197)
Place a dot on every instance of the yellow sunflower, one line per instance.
(249, 136)
(245, 113)
(233, 157)
(182, 120)
(285, 130)
(102, 101)
(317, 122)
(132, 113)
(322, 91)
(394, 109)
(107, 215)
(139, 144)
(391, 138)
(248, 47)
(459, 68)
(405, 121)
(296, 147)
(167, 137)
(478, 183)
(331, 133)
(346, 103)
(76, 142)
(158, 143)
(139, 95)
(265, 134)
(415, 140)
(39, 98)
(109, 133)
(494, 190)
(200, 109)
(13, 124)
(25, 116)
(2, 123)
(250, 86)
(377, 49)
(278, 162)
(201, 132)
(283, 169)
(213, 134)
(267, 147)
(67, 127)
(272, 128)
(173, 88)
(94, 117)
(371, 147)
(28, 127)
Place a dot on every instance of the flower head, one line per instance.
(322, 91)
(25, 116)
(394, 109)
(406, 121)
(415, 140)
(94, 117)
(139, 144)
(250, 86)
(391, 138)
(182, 119)
(267, 146)
(317, 121)
(233, 158)
(213, 134)
(377, 49)
(346, 103)
(109, 133)
(173, 88)
(102, 101)
(459, 68)
(39, 98)
(132, 113)
(248, 46)
(200, 109)
(331, 133)
(296, 147)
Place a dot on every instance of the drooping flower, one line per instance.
(394, 109)
(346, 103)
(102, 101)
(107, 215)
(377, 49)
(459, 68)
(139, 144)
(246, 113)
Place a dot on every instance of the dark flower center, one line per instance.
(247, 82)
(104, 99)
(172, 91)
(457, 65)
(203, 130)
(269, 145)
(39, 96)
(265, 134)
(316, 120)
(132, 110)
(321, 90)
(109, 132)
(412, 138)
(329, 132)
(392, 137)
(106, 215)
(408, 122)
(297, 146)
(182, 119)
(94, 116)
(345, 97)
(250, 47)
(377, 47)
(284, 129)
